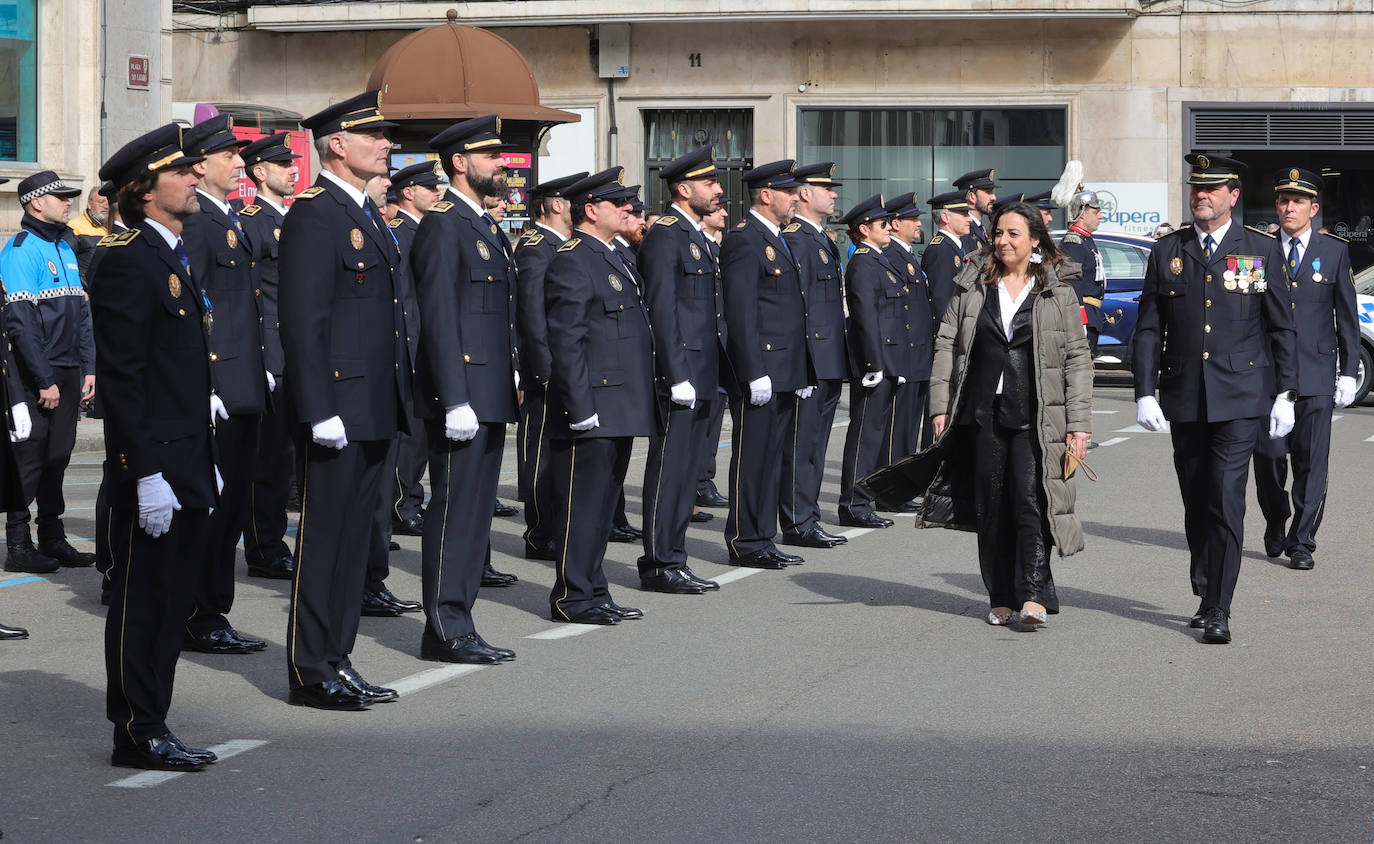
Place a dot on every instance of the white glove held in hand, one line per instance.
(805, 392)
(901, 379)
(156, 503)
(586, 424)
(1280, 418)
(684, 393)
(871, 379)
(271, 383)
(329, 433)
(1345, 391)
(217, 410)
(761, 391)
(23, 425)
(1149, 415)
(460, 423)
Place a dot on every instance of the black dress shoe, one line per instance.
(504, 510)
(163, 753)
(627, 613)
(468, 649)
(672, 582)
(354, 682)
(393, 545)
(758, 560)
(201, 754)
(252, 643)
(1199, 618)
(1300, 560)
(492, 577)
(708, 496)
(414, 526)
(548, 552)
(708, 585)
(8, 632)
(592, 615)
(222, 641)
(26, 558)
(702, 516)
(375, 607)
(1215, 627)
(506, 654)
(331, 694)
(66, 556)
(865, 520)
(624, 533)
(388, 598)
(282, 568)
(1273, 539)
(812, 538)
(907, 507)
(825, 534)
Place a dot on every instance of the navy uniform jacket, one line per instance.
(941, 262)
(821, 275)
(919, 316)
(976, 238)
(1206, 347)
(1321, 288)
(680, 288)
(340, 315)
(465, 283)
(153, 368)
(533, 252)
(601, 342)
(879, 316)
(222, 264)
(403, 229)
(262, 223)
(765, 308)
(1091, 286)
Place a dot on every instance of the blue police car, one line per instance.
(1124, 257)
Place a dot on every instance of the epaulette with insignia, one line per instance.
(862, 250)
(937, 240)
(665, 221)
(1262, 231)
(741, 224)
(1335, 237)
(441, 207)
(793, 228)
(249, 210)
(1073, 237)
(396, 223)
(533, 239)
(570, 245)
(310, 194)
(121, 239)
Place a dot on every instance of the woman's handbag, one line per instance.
(1071, 464)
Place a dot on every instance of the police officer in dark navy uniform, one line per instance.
(348, 372)
(601, 394)
(416, 189)
(271, 165)
(680, 276)
(1085, 211)
(980, 193)
(945, 255)
(465, 375)
(533, 252)
(803, 455)
(1215, 314)
(1046, 205)
(909, 405)
(714, 226)
(765, 309)
(881, 354)
(149, 316)
(222, 265)
(1326, 319)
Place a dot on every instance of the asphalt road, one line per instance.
(858, 697)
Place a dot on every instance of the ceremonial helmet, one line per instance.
(1083, 199)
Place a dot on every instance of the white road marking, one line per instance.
(1113, 441)
(736, 574)
(431, 677)
(564, 631)
(853, 532)
(1104, 412)
(1369, 439)
(1136, 429)
(1337, 417)
(148, 779)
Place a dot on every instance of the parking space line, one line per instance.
(564, 631)
(431, 677)
(1112, 441)
(148, 779)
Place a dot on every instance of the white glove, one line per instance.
(516, 373)
(217, 409)
(760, 391)
(901, 380)
(1280, 418)
(593, 421)
(460, 423)
(1149, 415)
(329, 433)
(805, 392)
(1345, 392)
(271, 383)
(219, 481)
(156, 503)
(684, 393)
(23, 425)
(871, 379)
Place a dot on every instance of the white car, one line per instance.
(1364, 302)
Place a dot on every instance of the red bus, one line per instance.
(250, 123)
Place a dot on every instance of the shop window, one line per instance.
(18, 81)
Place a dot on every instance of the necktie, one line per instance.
(1293, 256)
(785, 249)
(1207, 244)
(182, 256)
(234, 218)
